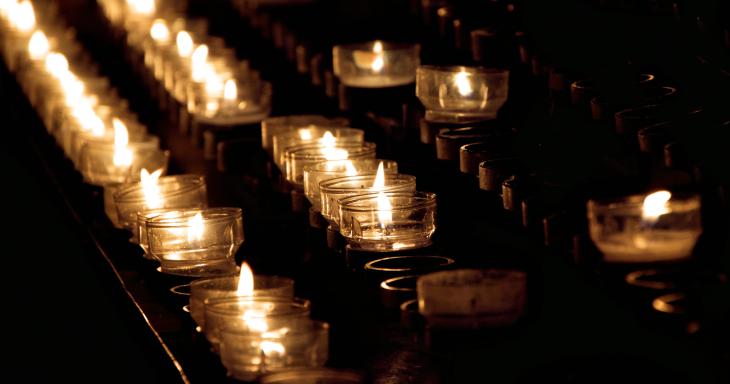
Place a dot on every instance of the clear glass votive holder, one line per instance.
(141, 228)
(202, 290)
(455, 94)
(332, 190)
(196, 242)
(281, 124)
(252, 314)
(376, 64)
(406, 220)
(297, 157)
(251, 105)
(472, 298)
(312, 134)
(327, 170)
(248, 355)
(178, 191)
(96, 163)
(626, 230)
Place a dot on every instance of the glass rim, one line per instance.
(297, 374)
(387, 284)
(424, 200)
(371, 264)
(200, 283)
(210, 215)
(297, 305)
(330, 186)
(295, 134)
(192, 182)
(485, 276)
(318, 167)
(367, 46)
(309, 327)
(450, 69)
(681, 203)
(313, 151)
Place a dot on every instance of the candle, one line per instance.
(327, 170)
(311, 135)
(657, 227)
(472, 298)
(248, 355)
(331, 191)
(252, 314)
(196, 242)
(386, 222)
(282, 124)
(155, 192)
(376, 64)
(246, 284)
(461, 94)
(298, 157)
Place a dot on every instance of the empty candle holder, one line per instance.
(171, 192)
(388, 221)
(376, 64)
(393, 266)
(332, 190)
(278, 125)
(301, 156)
(472, 298)
(196, 242)
(203, 290)
(327, 170)
(313, 375)
(312, 134)
(248, 355)
(650, 228)
(449, 140)
(397, 290)
(252, 314)
(455, 94)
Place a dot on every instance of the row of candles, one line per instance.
(254, 322)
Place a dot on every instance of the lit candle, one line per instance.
(376, 64)
(653, 228)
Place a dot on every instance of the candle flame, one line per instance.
(271, 347)
(655, 205)
(38, 46)
(378, 46)
(56, 64)
(151, 188)
(230, 91)
(122, 153)
(305, 134)
(196, 227)
(214, 86)
(22, 16)
(159, 31)
(378, 62)
(379, 182)
(6, 6)
(144, 7)
(385, 210)
(255, 321)
(350, 169)
(463, 85)
(184, 44)
(328, 149)
(200, 55)
(328, 139)
(245, 281)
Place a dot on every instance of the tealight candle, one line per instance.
(298, 157)
(278, 125)
(255, 315)
(155, 192)
(248, 355)
(327, 170)
(461, 94)
(246, 284)
(376, 64)
(331, 191)
(643, 229)
(472, 298)
(196, 242)
(388, 221)
(312, 135)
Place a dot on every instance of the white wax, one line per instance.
(648, 246)
(376, 81)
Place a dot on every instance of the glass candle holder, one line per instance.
(645, 228)
(196, 242)
(461, 94)
(388, 221)
(141, 228)
(313, 376)
(376, 64)
(331, 191)
(252, 314)
(472, 298)
(312, 134)
(202, 290)
(179, 191)
(300, 156)
(248, 355)
(327, 170)
(251, 104)
(278, 125)
(96, 163)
